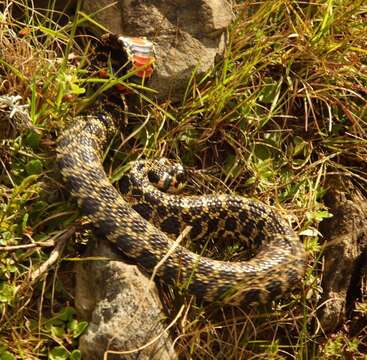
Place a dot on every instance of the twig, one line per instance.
(54, 256)
(47, 243)
(7, 173)
(177, 242)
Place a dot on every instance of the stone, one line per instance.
(188, 35)
(122, 307)
(14, 116)
(345, 235)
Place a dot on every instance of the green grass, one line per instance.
(283, 113)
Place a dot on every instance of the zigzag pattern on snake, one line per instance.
(277, 267)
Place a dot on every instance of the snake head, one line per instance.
(167, 175)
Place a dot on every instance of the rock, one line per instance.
(346, 241)
(14, 116)
(124, 313)
(188, 35)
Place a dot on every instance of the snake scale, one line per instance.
(277, 267)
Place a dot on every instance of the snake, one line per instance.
(146, 223)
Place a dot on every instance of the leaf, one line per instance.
(264, 170)
(268, 91)
(34, 167)
(33, 139)
(318, 215)
(75, 355)
(6, 293)
(6, 355)
(322, 214)
(299, 145)
(53, 322)
(77, 327)
(24, 221)
(77, 90)
(66, 314)
(58, 353)
(262, 152)
(57, 331)
(25, 184)
(310, 232)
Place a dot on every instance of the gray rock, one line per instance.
(124, 313)
(188, 35)
(346, 237)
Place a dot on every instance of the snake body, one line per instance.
(277, 267)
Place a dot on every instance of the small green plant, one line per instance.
(65, 329)
(338, 347)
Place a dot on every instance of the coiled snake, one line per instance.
(278, 266)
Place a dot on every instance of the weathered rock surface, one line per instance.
(188, 35)
(346, 241)
(123, 310)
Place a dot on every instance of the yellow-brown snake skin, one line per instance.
(277, 267)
